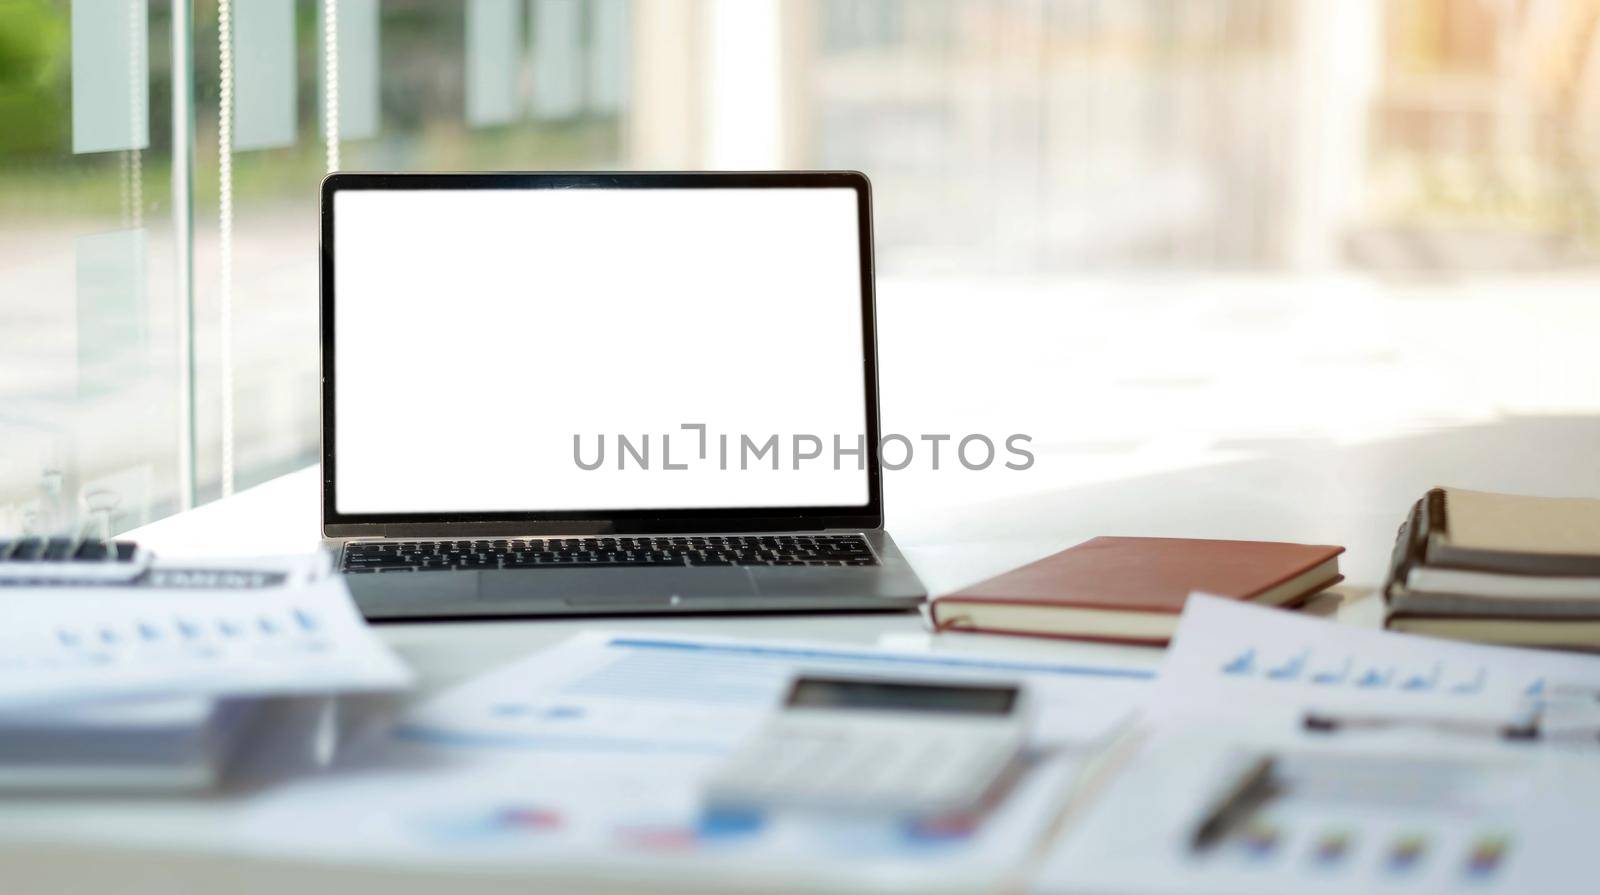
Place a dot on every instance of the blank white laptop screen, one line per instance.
(479, 332)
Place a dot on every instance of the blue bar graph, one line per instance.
(1289, 670)
(1335, 675)
(1241, 664)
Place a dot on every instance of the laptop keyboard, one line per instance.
(567, 553)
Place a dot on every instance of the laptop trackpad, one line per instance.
(612, 587)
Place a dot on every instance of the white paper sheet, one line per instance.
(1231, 662)
(592, 753)
(1372, 820)
(1434, 798)
(62, 644)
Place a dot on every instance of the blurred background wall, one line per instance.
(1391, 203)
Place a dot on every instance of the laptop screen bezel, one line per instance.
(343, 525)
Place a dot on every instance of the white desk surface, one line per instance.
(1353, 496)
(1128, 441)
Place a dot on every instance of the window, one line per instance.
(89, 304)
(1307, 166)
(106, 423)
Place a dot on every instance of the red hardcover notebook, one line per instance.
(1131, 590)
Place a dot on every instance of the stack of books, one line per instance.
(1498, 568)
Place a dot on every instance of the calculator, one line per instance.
(880, 746)
(75, 561)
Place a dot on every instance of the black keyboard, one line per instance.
(567, 553)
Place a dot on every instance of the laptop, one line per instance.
(591, 393)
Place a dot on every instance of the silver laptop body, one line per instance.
(589, 393)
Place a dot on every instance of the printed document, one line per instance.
(1233, 661)
(214, 633)
(592, 754)
(1399, 764)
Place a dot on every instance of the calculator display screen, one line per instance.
(841, 693)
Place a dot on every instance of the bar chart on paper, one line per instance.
(1395, 763)
(178, 636)
(1339, 669)
(1229, 658)
(1334, 821)
(1376, 821)
(64, 643)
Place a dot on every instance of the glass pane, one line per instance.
(406, 101)
(1064, 134)
(90, 425)
(1237, 227)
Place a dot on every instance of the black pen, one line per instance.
(1253, 784)
(1524, 729)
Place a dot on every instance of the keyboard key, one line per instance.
(27, 548)
(92, 550)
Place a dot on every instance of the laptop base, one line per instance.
(490, 593)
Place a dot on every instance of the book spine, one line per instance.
(1408, 545)
(1435, 517)
(945, 622)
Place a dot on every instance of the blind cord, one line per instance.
(137, 30)
(225, 227)
(330, 82)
